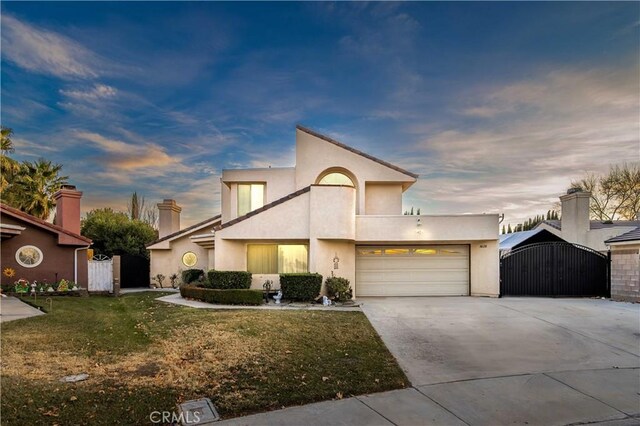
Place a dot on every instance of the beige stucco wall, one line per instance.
(167, 262)
(289, 220)
(625, 272)
(322, 253)
(383, 199)
(332, 212)
(427, 228)
(485, 268)
(279, 183)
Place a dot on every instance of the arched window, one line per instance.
(336, 178)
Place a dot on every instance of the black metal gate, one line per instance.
(554, 269)
(134, 271)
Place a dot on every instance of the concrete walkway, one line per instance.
(176, 299)
(12, 308)
(480, 361)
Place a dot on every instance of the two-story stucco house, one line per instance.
(339, 211)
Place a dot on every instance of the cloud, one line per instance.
(46, 52)
(129, 157)
(98, 91)
(529, 140)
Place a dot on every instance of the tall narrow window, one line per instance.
(250, 197)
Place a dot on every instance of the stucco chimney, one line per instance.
(575, 221)
(68, 208)
(169, 220)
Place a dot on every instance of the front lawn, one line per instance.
(143, 356)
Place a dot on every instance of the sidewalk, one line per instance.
(605, 397)
(12, 308)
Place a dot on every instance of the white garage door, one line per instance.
(434, 270)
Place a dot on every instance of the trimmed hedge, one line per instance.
(338, 288)
(191, 275)
(224, 297)
(225, 280)
(303, 287)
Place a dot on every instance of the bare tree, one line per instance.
(615, 195)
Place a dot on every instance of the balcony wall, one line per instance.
(463, 228)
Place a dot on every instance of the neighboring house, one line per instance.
(625, 266)
(575, 227)
(515, 240)
(177, 250)
(39, 250)
(338, 211)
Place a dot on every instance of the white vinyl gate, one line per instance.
(101, 274)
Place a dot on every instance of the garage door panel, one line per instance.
(425, 271)
(418, 276)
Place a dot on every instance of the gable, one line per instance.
(164, 243)
(316, 153)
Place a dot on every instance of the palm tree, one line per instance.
(35, 187)
(8, 166)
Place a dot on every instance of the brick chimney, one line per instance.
(169, 220)
(575, 221)
(68, 208)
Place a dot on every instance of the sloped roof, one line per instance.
(355, 151)
(77, 239)
(265, 207)
(597, 224)
(181, 232)
(633, 235)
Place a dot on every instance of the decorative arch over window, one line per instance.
(336, 177)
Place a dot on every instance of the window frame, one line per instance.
(28, 265)
(251, 186)
(278, 262)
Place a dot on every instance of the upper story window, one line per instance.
(250, 197)
(336, 178)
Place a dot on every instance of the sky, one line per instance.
(497, 106)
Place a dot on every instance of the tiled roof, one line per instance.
(265, 207)
(19, 214)
(185, 230)
(633, 235)
(597, 224)
(355, 151)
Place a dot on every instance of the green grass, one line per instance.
(143, 355)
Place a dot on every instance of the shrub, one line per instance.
(304, 287)
(191, 275)
(338, 288)
(228, 279)
(226, 297)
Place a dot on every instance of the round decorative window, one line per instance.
(189, 259)
(29, 256)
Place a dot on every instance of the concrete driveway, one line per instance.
(517, 360)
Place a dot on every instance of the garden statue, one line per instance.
(326, 301)
(267, 289)
(277, 297)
